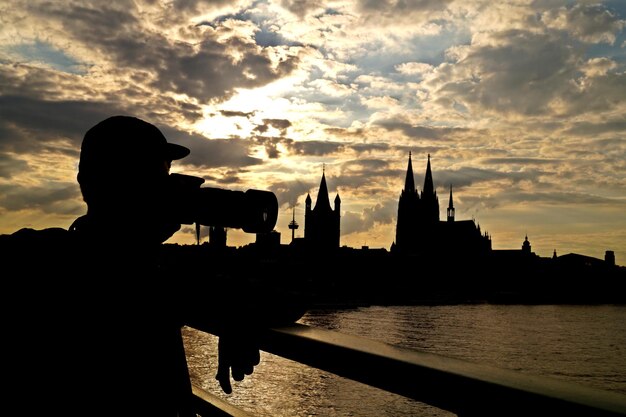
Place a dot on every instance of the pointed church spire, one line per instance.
(451, 207)
(429, 199)
(451, 203)
(323, 202)
(409, 182)
(429, 188)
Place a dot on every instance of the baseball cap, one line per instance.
(125, 140)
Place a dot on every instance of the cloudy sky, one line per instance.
(520, 103)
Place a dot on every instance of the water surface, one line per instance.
(584, 344)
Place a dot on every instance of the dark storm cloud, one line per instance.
(212, 153)
(528, 73)
(229, 113)
(301, 7)
(520, 72)
(419, 151)
(229, 177)
(204, 231)
(29, 125)
(369, 165)
(271, 144)
(195, 6)
(345, 133)
(279, 124)
(591, 129)
(288, 192)
(35, 117)
(261, 129)
(210, 73)
(205, 70)
(520, 161)
(384, 213)
(301, 148)
(62, 199)
(315, 147)
(465, 177)
(363, 184)
(588, 22)
(420, 132)
(164, 108)
(369, 147)
(364, 175)
(612, 143)
(267, 35)
(400, 9)
(9, 165)
(552, 197)
(600, 94)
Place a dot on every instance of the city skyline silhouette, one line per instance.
(419, 230)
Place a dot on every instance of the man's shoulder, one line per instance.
(34, 249)
(32, 236)
(27, 232)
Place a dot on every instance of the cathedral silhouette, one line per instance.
(419, 231)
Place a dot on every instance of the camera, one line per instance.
(253, 211)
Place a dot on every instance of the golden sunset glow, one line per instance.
(520, 104)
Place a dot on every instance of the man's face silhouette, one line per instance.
(123, 172)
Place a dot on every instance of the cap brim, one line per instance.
(175, 151)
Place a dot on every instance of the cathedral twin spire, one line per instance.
(428, 199)
(429, 188)
(409, 182)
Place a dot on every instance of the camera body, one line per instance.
(253, 211)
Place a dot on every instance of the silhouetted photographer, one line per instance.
(93, 320)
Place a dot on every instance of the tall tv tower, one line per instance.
(293, 225)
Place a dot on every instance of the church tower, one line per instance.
(407, 225)
(430, 201)
(451, 207)
(526, 246)
(321, 223)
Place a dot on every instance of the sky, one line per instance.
(521, 105)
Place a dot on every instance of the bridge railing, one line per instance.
(464, 388)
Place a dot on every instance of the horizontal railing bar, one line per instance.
(208, 405)
(451, 384)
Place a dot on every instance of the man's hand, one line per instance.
(239, 354)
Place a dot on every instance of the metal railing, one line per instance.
(464, 388)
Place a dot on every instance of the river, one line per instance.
(584, 344)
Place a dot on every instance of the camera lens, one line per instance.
(254, 211)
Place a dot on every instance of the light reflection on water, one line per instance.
(585, 344)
